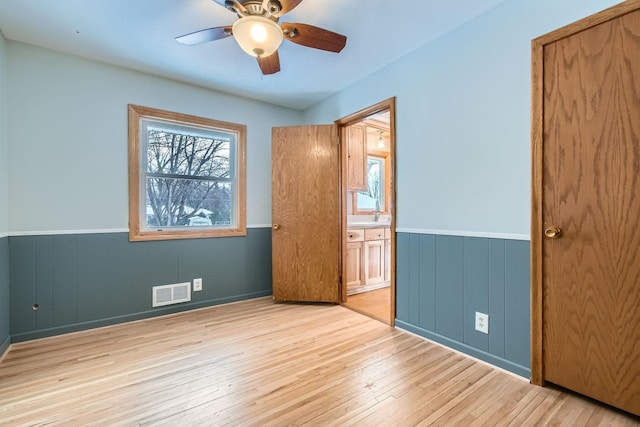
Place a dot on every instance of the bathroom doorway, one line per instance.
(368, 211)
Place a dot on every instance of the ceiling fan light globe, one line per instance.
(257, 36)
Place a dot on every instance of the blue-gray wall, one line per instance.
(463, 169)
(462, 119)
(67, 220)
(442, 281)
(4, 199)
(462, 161)
(81, 281)
(77, 154)
(4, 145)
(4, 295)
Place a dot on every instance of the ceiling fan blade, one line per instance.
(269, 64)
(317, 38)
(203, 36)
(287, 6)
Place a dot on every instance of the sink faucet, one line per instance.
(376, 217)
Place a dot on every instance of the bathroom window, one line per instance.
(375, 198)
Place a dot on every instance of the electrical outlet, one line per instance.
(197, 285)
(482, 322)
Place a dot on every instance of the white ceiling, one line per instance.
(139, 34)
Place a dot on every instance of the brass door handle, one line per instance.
(552, 232)
(276, 226)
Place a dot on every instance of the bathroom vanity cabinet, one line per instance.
(368, 258)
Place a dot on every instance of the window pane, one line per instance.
(188, 203)
(184, 154)
(373, 198)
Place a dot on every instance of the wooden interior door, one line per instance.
(306, 213)
(590, 208)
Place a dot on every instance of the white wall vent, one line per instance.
(171, 294)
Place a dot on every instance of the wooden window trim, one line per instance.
(136, 233)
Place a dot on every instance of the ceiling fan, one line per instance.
(258, 33)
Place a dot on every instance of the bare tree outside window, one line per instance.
(188, 180)
(373, 198)
(376, 197)
(187, 176)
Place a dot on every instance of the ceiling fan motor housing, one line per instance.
(254, 7)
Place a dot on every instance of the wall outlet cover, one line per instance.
(197, 285)
(482, 322)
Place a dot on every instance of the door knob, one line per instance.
(552, 232)
(276, 226)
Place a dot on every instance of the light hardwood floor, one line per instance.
(375, 304)
(258, 363)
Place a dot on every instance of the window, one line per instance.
(186, 176)
(376, 198)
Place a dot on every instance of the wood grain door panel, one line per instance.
(306, 213)
(591, 191)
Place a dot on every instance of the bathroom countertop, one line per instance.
(368, 224)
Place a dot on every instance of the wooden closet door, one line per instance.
(591, 194)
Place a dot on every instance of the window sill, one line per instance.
(140, 236)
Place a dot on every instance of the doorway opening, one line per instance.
(368, 211)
